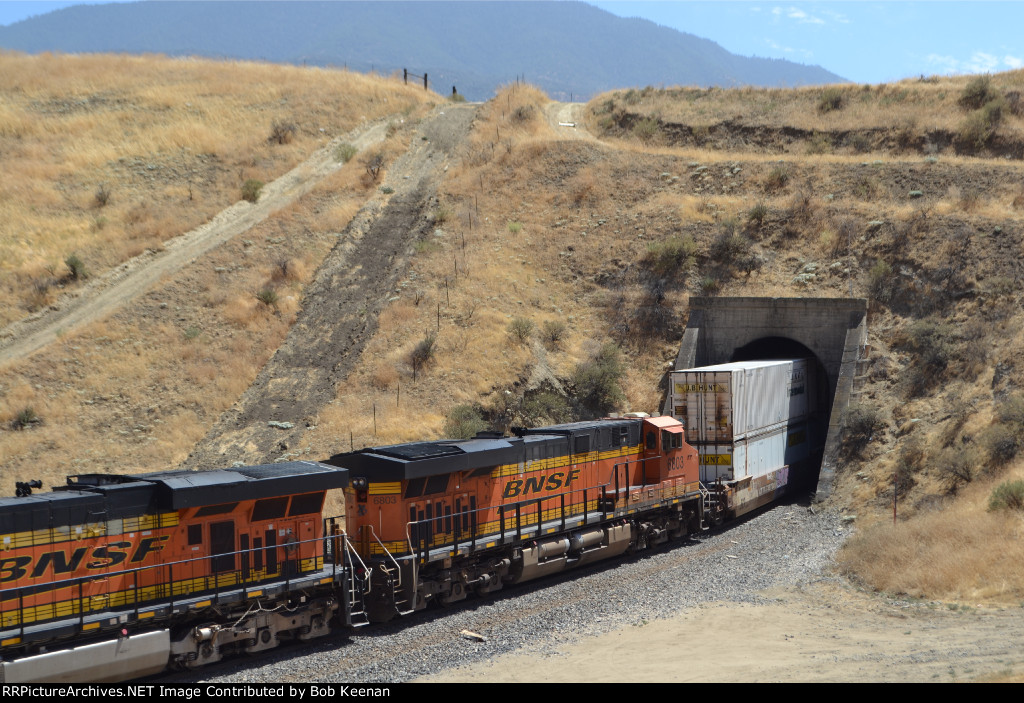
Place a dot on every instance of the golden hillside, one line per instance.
(552, 276)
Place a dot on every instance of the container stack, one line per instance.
(746, 419)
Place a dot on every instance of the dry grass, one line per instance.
(931, 104)
(962, 553)
(171, 141)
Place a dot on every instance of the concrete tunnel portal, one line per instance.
(832, 332)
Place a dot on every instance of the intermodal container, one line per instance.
(756, 455)
(725, 403)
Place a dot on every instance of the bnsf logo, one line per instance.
(14, 568)
(539, 484)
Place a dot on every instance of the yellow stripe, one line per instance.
(8, 643)
(66, 533)
(376, 489)
(146, 614)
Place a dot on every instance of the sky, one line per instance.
(865, 42)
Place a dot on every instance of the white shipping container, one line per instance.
(726, 402)
(756, 455)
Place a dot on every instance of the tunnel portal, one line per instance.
(831, 331)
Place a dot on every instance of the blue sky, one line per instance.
(865, 42)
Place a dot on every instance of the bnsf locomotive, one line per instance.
(116, 577)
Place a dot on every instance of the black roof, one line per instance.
(99, 497)
(400, 462)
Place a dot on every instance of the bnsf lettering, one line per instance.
(110, 555)
(13, 568)
(59, 562)
(539, 484)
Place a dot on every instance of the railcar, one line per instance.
(435, 521)
(113, 577)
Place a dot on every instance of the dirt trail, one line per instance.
(567, 120)
(340, 307)
(821, 633)
(105, 294)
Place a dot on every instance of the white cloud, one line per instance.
(944, 64)
(980, 62)
(795, 13)
(1013, 61)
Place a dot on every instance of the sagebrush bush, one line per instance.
(251, 190)
(102, 195)
(831, 99)
(463, 422)
(860, 423)
(344, 152)
(757, 214)
(646, 129)
(282, 132)
(977, 92)
(423, 352)
(552, 332)
(520, 329)
(76, 268)
(777, 179)
(26, 417)
(598, 383)
(670, 258)
(267, 296)
(1007, 496)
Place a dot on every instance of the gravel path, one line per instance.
(785, 546)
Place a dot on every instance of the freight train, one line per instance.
(116, 577)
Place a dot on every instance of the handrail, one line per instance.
(81, 581)
(503, 510)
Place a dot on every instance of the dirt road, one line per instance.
(827, 632)
(105, 294)
(340, 306)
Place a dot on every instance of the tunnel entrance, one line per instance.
(767, 348)
(830, 331)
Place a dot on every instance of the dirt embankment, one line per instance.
(340, 308)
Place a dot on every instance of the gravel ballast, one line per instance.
(786, 545)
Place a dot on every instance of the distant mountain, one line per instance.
(563, 47)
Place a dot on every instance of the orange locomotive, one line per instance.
(162, 558)
(436, 520)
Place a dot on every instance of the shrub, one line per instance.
(860, 422)
(1001, 444)
(102, 196)
(958, 465)
(978, 91)
(552, 332)
(831, 99)
(374, 163)
(664, 259)
(778, 178)
(880, 283)
(267, 296)
(757, 214)
(423, 352)
(457, 98)
(25, 418)
(515, 227)
(251, 190)
(76, 268)
(344, 152)
(1007, 496)
(708, 285)
(646, 129)
(597, 383)
(542, 407)
(520, 329)
(282, 132)
(463, 422)
(523, 113)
